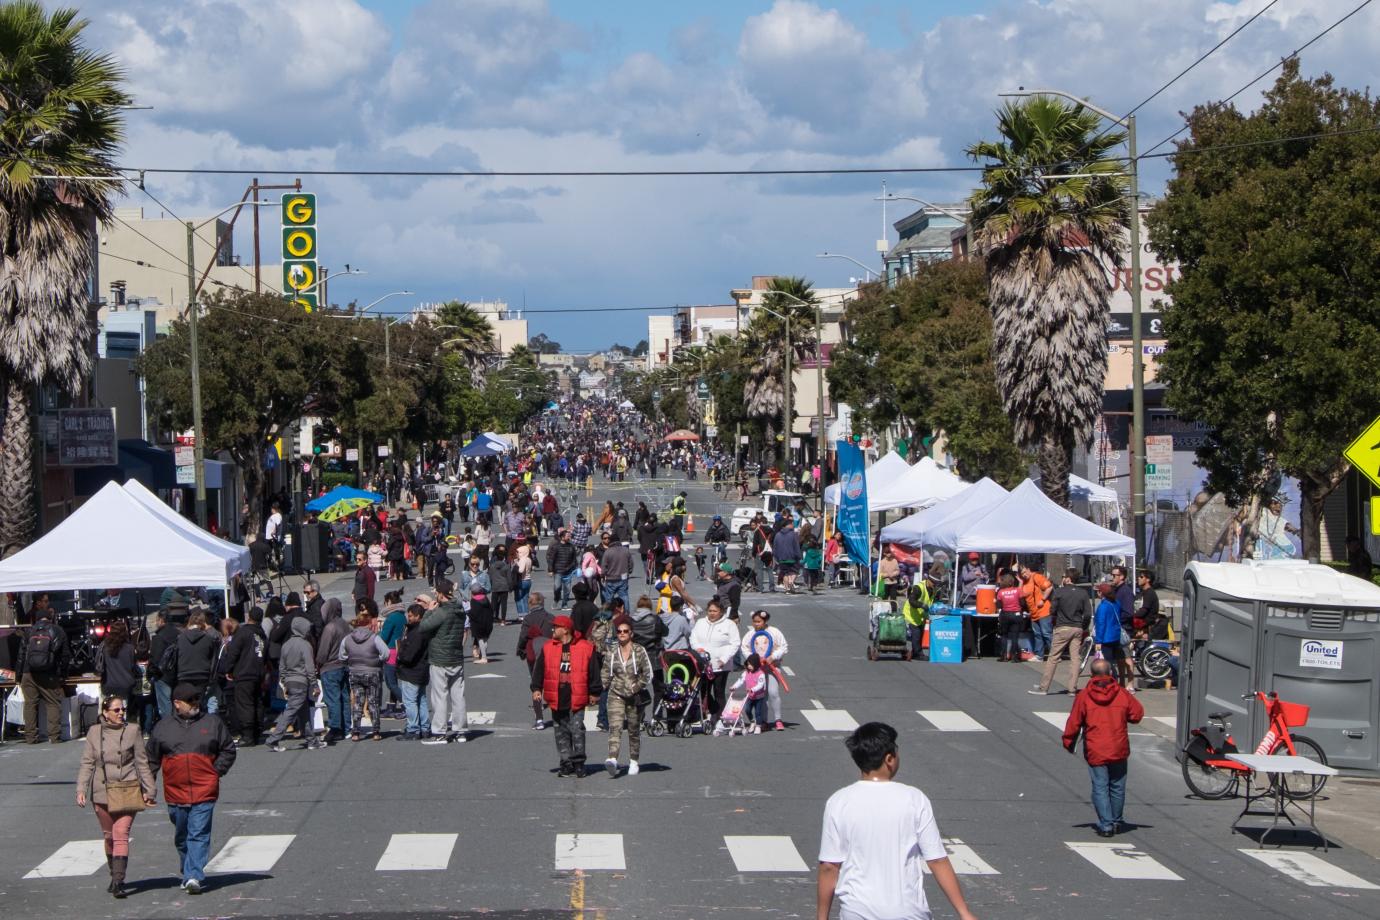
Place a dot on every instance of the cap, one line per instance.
(718, 517)
(565, 622)
(725, 567)
(973, 557)
(187, 693)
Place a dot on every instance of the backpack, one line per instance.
(672, 543)
(40, 653)
(167, 664)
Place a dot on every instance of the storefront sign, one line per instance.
(1159, 463)
(1119, 326)
(1315, 653)
(299, 254)
(351, 454)
(86, 437)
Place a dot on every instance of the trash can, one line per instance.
(1307, 632)
(946, 640)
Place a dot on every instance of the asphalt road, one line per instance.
(328, 833)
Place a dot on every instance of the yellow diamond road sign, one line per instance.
(1364, 453)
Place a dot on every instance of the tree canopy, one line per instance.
(1273, 335)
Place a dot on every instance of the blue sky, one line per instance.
(570, 85)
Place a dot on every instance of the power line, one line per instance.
(1271, 69)
(549, 174)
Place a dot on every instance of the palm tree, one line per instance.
(1050, 219)
(59, 116)
(469, 334)
(765, 340)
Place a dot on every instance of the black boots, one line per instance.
(118, 865)
(110, 869)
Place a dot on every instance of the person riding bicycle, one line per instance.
(717, 532)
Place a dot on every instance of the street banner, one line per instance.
(852, 520)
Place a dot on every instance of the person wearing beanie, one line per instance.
(566, 677)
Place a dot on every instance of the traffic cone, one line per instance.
(925, 637)
(689, 523)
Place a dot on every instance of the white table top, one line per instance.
(1283, 763)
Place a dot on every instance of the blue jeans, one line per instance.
(390, 680)
(614, 589)
(163, 695)
(520, 597)
(416, 708)
(1108, 793)
(192, 837)
(1043, 629)
(335, 689)
(563, 584)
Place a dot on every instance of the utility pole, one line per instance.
(786, 403)
(819, 418)
(258, 282)
(1137, 358)
(198, 434)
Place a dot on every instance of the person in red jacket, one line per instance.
(1101, 712)
(193, 750)
(566, 675)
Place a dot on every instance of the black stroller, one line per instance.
(682, 705)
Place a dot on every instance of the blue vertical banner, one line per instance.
(852, 521)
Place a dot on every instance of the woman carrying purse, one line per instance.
(116, 778)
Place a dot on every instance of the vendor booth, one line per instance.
(939, 524)
(878, 476)
(920, 486)
(486, 445)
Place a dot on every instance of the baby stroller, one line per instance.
(736, 719)
(682, 705)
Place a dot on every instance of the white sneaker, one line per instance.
(632, 768)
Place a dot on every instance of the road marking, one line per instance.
(251, 853)
(1122, 860)
(829, 720)
(1057, 719)
(964, 859)
(417, 852)
(76, 857)
(817, 704)
(1309, 869)
(765, 854)
(590, 851)
(951, 720)
(592, 719)
(1171, 721)
(483, 676)
(481, 718)
(787, 669)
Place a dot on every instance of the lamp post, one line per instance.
(965, 217)
(1137, 358)
(836, 255)
(363, 310)
(198, 430)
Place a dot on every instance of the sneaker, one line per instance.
(460, 738)
(1105, 832)
(611, 766)
(192, 886)
(1036, 691)
(276, 747)
(780, 726)
(565, 772)
(538, 725)
(757, 729)
(632, 768)
(435, 739)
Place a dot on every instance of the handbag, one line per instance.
(122, 797)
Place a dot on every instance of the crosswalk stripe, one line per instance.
(251, 853)
(76, 857)
(830, 720)
(1057, 719)
(481, 717)
(964, 859)
(1171, 721)
(787, 669)
(417, 852)
(765, 854)
(590, 851)
(1309, 869)
(1123, 860)
(951, 720)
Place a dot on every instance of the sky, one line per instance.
(569, 85)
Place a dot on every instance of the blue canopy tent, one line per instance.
(342, 492)
(486, 445)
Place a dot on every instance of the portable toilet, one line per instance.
(1307, 632)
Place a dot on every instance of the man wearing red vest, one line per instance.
(566, 676)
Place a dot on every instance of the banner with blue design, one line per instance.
(852, 521)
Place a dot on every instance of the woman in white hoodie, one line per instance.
(772, 653)
(716, 636)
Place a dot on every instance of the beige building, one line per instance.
(509, 328)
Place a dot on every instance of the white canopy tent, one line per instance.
(235, 556)
(1081, 489)
(1028, 522)
(939, 525)
(920, 486)
(115, 540)
(878, 477)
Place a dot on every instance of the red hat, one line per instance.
(973, 557)
(567, 622)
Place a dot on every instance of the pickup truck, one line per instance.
(773, 500)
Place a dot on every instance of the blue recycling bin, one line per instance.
(946, 640)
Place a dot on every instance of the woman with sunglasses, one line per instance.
(627, 674)
(114, 754)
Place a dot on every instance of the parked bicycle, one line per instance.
(1212, 775)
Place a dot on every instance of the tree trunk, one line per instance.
(252, 468)
(1313, 491)
(16, 468)
(1055, 456)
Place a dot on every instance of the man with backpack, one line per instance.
(42, 666)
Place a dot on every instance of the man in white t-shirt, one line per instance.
(876, 834)
(273, 527)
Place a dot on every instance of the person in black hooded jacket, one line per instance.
(196, 652)
(244, 660)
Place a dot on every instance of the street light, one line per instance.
(1137, 359)
(835, 255)
(198, 433)
(966, 217)
(364, 310)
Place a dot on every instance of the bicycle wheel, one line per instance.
(1300, 787)
(1153, 664)
(1207, 781)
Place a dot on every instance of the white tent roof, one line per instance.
(117, 541)
(235, 556)
(940, 524)
(877, 476)
(918, 487)
(1084, 490)
(1028, 522)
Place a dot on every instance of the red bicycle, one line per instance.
(1211, 775)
